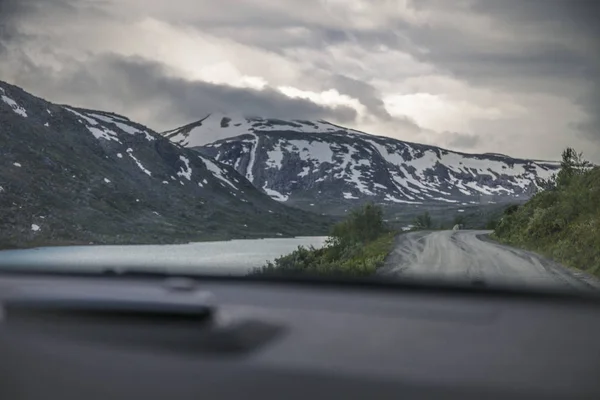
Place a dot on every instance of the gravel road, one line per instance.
(472, 256)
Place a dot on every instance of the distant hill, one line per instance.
(70, 175)
(318, 164)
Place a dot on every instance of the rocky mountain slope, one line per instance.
(69, 175)
(318, 164)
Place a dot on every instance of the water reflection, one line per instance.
(225, 257)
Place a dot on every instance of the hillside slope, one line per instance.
(318, 164)
(562, 222)
(75, 175)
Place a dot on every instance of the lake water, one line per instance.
(226, 257)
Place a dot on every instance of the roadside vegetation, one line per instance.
(356, 246)
(422, 222)
(563, 220)
(471, 220)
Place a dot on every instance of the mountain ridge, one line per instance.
(71, 174)
(255, 123)
(308, 162)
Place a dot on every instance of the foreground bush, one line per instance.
(356, 247)
(563, 221)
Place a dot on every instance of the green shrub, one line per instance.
(492, 224)
(562, 222)
(511, 209)
(459, 220)
(356, 246)
(423, 221)
(363, 225)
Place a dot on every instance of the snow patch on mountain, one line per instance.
(274, 194)
(103, 133)
(395, 200)
(253, 145)
(316, 152)
(185, 171)
(275, 157)
(13, 104)
(138, 163)
(121, 125)
(89, 120)
(217, 172)
(305, 172)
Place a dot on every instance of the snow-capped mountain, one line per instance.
(215, 127)
(82, 175)
(314, 162)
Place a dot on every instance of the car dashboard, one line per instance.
(128, 337)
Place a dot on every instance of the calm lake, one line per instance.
(226, 257)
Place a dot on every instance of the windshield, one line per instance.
(397, 140)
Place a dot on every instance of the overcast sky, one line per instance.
(519, 77)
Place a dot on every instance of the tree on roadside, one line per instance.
(460, 220)
(491, 224)
(362, 226)
(572, 164)
(423, 221)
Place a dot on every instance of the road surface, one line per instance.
(472, 256)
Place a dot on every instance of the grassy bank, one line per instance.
(563, 221)
(355, 247)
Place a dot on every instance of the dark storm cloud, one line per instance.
(370, 97)
(279, 36)
(577, 15)
(363, 92)
(579, 19)
(133, 85)
(564, 50)
(13, 13)
(138, 87)
(10, 12)
(547, 46)
(12, 9)
(528, 46)
(191, 99)
(514, 47)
